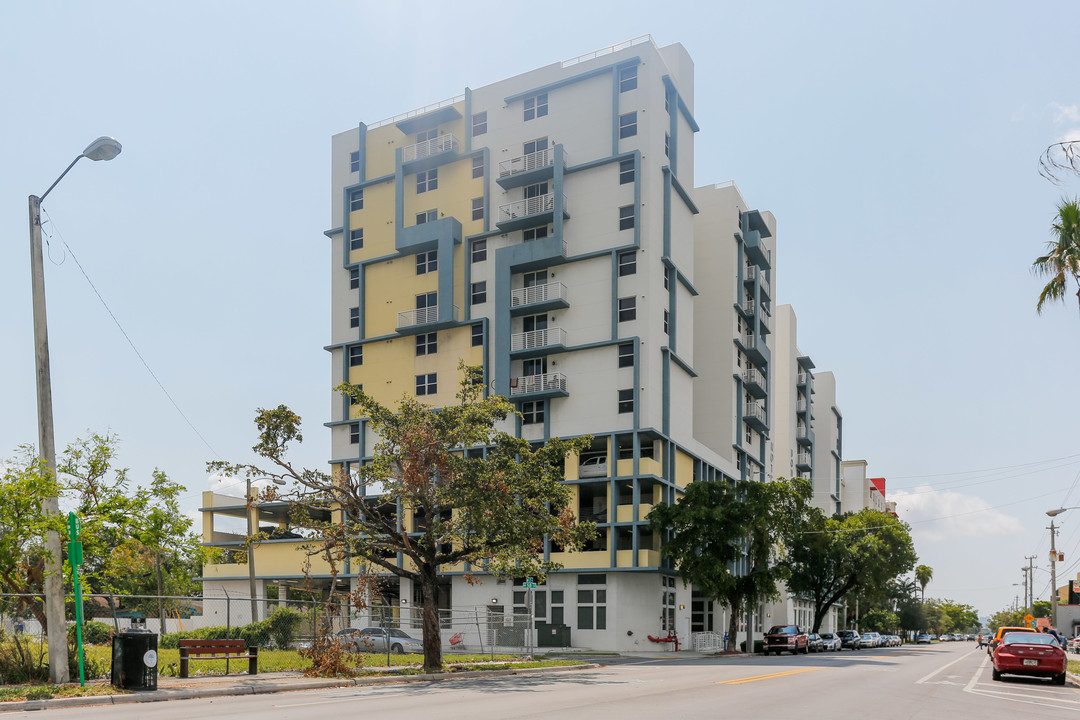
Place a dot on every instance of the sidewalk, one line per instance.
(174, 688)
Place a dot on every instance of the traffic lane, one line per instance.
(1027, 696)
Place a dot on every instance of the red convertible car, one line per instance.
(1033, 654)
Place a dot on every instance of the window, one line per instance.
(666, 285)
(627, 309)
(354, 278)
(627, 262)
(354, 317)
(426, 384)
(427, 262)
(427, 300)
(536, 106)
(427, 216)
(356, 200)
(425, 135)
(626, 401)
(479, 250)
(356, 238)
(626, 171)
(477, 335)
(628, 125)
(478, 208)
(356, 355)
(354, 161)
(667, 145)
(427, 344)
(532, 323)
(626, 217)
(354, 434)
(532, 412)
(667, 103)
(667, 601)
(478, 166)
(536, 366)
(479, 292)
(479, 123)
(536, 190)
(535, 233)
(535, 146)
(749, 436)
(626, 355)
(665, 322)
(533, 279)
(627, 79)
(427, 180)
(592, 602)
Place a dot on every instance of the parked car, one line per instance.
(1002, 631)
(373, 639)
(786, 638)
(1029, 653)
(923, 639)
(593, 467)
(814, 643)
(871, 639)
(850, 639)
(831, 642)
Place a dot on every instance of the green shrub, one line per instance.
(283, 623)
(759, 646)
(93, 633)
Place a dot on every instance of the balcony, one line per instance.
(804, 435)
(445, 143)
(537, 342)
(424, 319)
(754, 382)
(547, 385)
(529, 212)
(802, 406)
(538, 298)
(747, 307)
(527, 169)
(756, 274)
(753, 345)
(803, 462)
(800, 380)
(754, 416)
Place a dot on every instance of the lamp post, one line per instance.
(1053, 564)
(250, 503)
(104, 148)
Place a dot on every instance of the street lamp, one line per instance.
(250, 503)
(104, 148)
(1053, 563)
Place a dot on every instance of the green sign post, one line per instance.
(75, 558)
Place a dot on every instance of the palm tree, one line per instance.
(923, 573)
(1062, 258)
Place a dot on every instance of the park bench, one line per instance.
(218, 650)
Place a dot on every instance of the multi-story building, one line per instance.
(547, 229)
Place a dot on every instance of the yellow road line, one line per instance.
(755, 678)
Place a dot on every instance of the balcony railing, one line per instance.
(537, 339)
(753, 376)
(804, 459)
(748, 307)
(800, 431)
(754, 411)
(802, 405)
(538, 294)
(753, 272)
(434, 146)
(423, 316)
(525, 163)
(528, 206)
(548, 382)
(802, 378)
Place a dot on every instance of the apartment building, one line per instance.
(547, 228)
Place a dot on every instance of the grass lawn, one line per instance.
(1074, 666)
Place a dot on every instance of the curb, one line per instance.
(196, 693)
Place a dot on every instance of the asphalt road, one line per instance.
(950, 681)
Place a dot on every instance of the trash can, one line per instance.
(134, 659)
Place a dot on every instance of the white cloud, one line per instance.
(943, 514)
(1065, 114)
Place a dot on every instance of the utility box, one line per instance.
(552, 635)
(135, 660)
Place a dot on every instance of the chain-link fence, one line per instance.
(282, 624)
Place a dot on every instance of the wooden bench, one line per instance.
(218, 650)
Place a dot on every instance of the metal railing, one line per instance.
(417, 112)
(538, 294)
(802, 405)
(528, 206)
(804, 459)
(748, 307)
(424, 316)
(607, 50)
(754, 411)
(525, 163)
(537, 339)
(801, 378)
(801, 431)
(707, 641)
(547, 382)
(754, 376)
(443, 143)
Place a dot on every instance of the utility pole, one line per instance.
(1026, 584)
(1053, 576)
(1031, 583)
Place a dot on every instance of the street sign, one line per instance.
(1029, 620)
(529, 584)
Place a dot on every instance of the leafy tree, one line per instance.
(958, 617)
(1062, 258)
(845, 553)
(881, 621)
(1009, 617)
(492, 512)
(937, 620)
(923, 575)
(1041, 609)
(717, 526)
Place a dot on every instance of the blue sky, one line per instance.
(897, 145)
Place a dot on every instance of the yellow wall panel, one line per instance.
(377, 220)
(684, 469)
(381, 143)
(391, 287)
